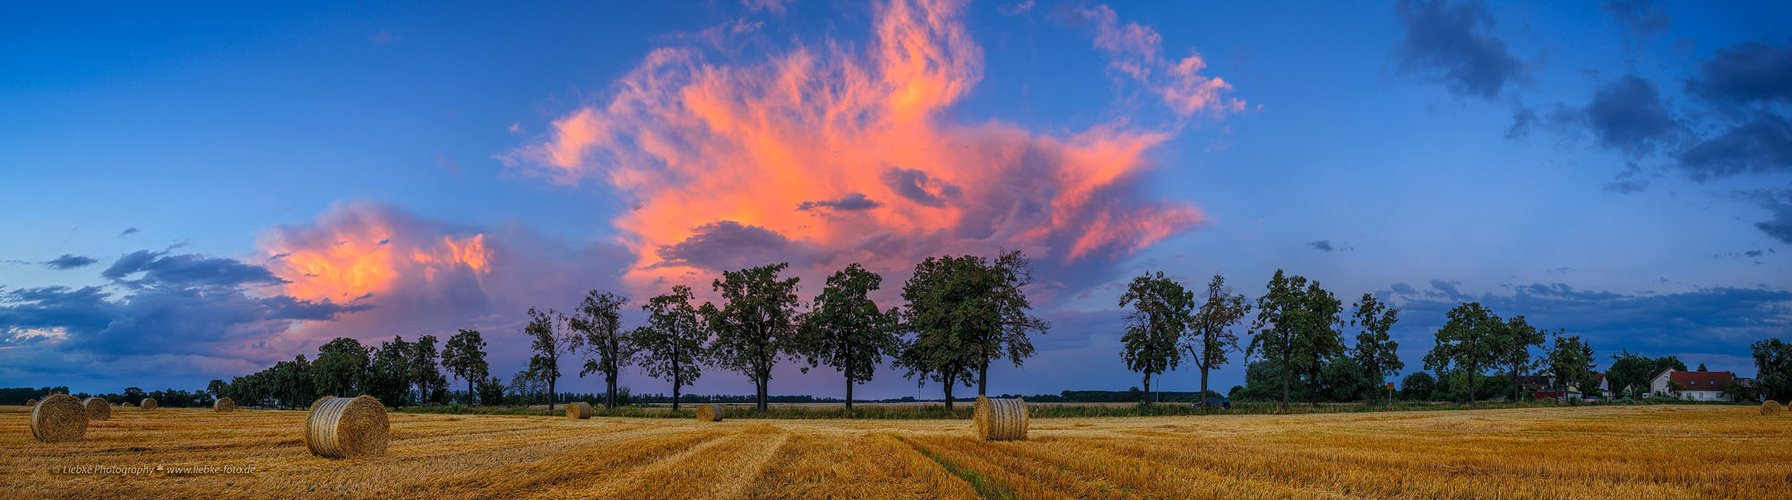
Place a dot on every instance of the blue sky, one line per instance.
(1618, 169)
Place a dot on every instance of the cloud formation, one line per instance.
(709, 146)
(208, 315)
(69, 261)
(1628, 115)
(1136, 51)
(415, 275)
(1454, 44)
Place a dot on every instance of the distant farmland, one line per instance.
(1637, 451)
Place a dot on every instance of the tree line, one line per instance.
(959, 315)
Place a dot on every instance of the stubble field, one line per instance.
(1637, 452)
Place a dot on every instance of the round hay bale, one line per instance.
(30, 402)
(224, 404)
(1770, 408)
(59, 417)
(148, 403)
(97, 409)
(709, 413)
(346, 427)
(579, 411)
(319, 401)
(1000, 419)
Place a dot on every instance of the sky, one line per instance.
(198, 190)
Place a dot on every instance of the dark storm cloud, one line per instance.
(851, 202)
(1454, 44)
(1628, 115)
(1749, 84)
(916, 186)
(161, 269)
(729, 245)
(1760, 145)
(148, 321)
(1779, 204)
(69, 261)
(1747, 73)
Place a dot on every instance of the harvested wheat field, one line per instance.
(1634, 452)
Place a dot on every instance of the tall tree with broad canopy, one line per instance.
(432, 387)
(846, 331)
(1570, 360)
(972, 307)
(1160, 314)
(341, 367)
(756, 323)
(464, 356)
(1375, 351)
(598, 324)
(1296, 327)
(549, 340)
(1515, 342)
(671, 342)
(1469, 342)
(1210, 334)
(1773, 368)
(391, 374)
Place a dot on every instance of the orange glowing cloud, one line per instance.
(360, 252)
(830, 152)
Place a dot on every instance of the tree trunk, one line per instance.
(1285, 373)
(1517, 389)
(1147, 388)
(849, 394)
(470, 398)
(610, 383)
(675, 394)
(983, 378)
(948, 396)
(1471, 387)
(1203, 400)
(762, 384)
(550, 395)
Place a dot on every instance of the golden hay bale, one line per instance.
(709, 413)
(579, 411)
(319, 401)
(59, 417)
(30, 402)
(346, 427)
(97, 409)
(148, 403)
(224, 404)
(1770, 408)
(1000, 419)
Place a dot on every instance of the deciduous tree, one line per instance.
(1296, 327)
(598, 324)
(672, 341)
(464, 356)
(756, 323)
(1468, 343)
(549, 340)
(1160, 313)
(1570, 361)
(845, 330)
(1376, 352)
(1210, 334)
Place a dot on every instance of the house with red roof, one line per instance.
(1697, 386)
